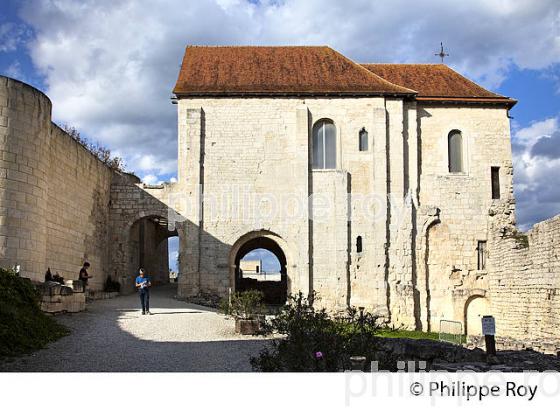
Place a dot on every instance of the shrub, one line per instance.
(101, 152)
(315, 341)
(23, 327)
(244, 305)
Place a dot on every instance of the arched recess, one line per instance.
(275, 292)
(422, 277)
(147, 247)
(439, 267)
(476, 306)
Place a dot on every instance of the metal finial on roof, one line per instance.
(442, 54)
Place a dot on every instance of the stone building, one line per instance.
(387, 186)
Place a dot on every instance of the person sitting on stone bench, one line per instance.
(48, 275)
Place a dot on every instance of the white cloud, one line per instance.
(110, 66)
(151, 179)
(536, 191)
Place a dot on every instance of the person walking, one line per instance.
(143, 285)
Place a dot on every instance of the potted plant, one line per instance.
(246, 307)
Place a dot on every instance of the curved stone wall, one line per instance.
(25, 121)
(54, 194)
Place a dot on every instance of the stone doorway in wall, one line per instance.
(475, 308)
(153, 246)
(260, 264)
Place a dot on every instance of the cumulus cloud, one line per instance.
(548, 146)
(536, 159)
(109, 66)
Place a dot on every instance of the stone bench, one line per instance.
(57, 298)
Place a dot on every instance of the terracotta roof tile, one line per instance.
(246, 70)
(436, 82)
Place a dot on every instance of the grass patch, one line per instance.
(407, 334)
(23, 327)
(414, 334)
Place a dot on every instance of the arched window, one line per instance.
(359, 244)
(455, 151)
(363, 139)
(324, 145)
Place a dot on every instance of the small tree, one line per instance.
(247, 305)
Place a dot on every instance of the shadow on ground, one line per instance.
(112, 336)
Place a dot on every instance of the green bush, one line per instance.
(244, 305)
(315, 341)
(23, 327)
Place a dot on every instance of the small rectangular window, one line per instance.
(495, 176)
(481, 251)
(359, 246)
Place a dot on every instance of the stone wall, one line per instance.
(525, 280)
(54, 194)
(260, 147)
(448, 276)
(24, 139)
(77, 210)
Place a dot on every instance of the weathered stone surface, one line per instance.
(425, 350)
(419, 227)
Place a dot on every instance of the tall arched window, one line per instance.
(455, 151)
(363, 139)
(324, 145)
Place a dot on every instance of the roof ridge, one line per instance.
(472, 82)
(377, 77)
(252, 46)
(424, 64)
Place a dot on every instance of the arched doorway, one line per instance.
(475, 308)
(245, 277)
(148, 247)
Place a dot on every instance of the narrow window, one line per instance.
(363, 139)
(481, 251)
(257, 269)
(455, 151)
(495, 176)
(359, 244)
(324, 145)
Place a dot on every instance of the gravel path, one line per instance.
(112, 336)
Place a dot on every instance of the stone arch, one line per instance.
(141, 241)
(476, 306)
(275, 293)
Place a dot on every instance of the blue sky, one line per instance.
(109, 67)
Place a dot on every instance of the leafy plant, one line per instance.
(23, 327)
(315, 341)
(245, 305)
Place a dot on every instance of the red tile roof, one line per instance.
(437, 82)
(316, 71)
(219, 71)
